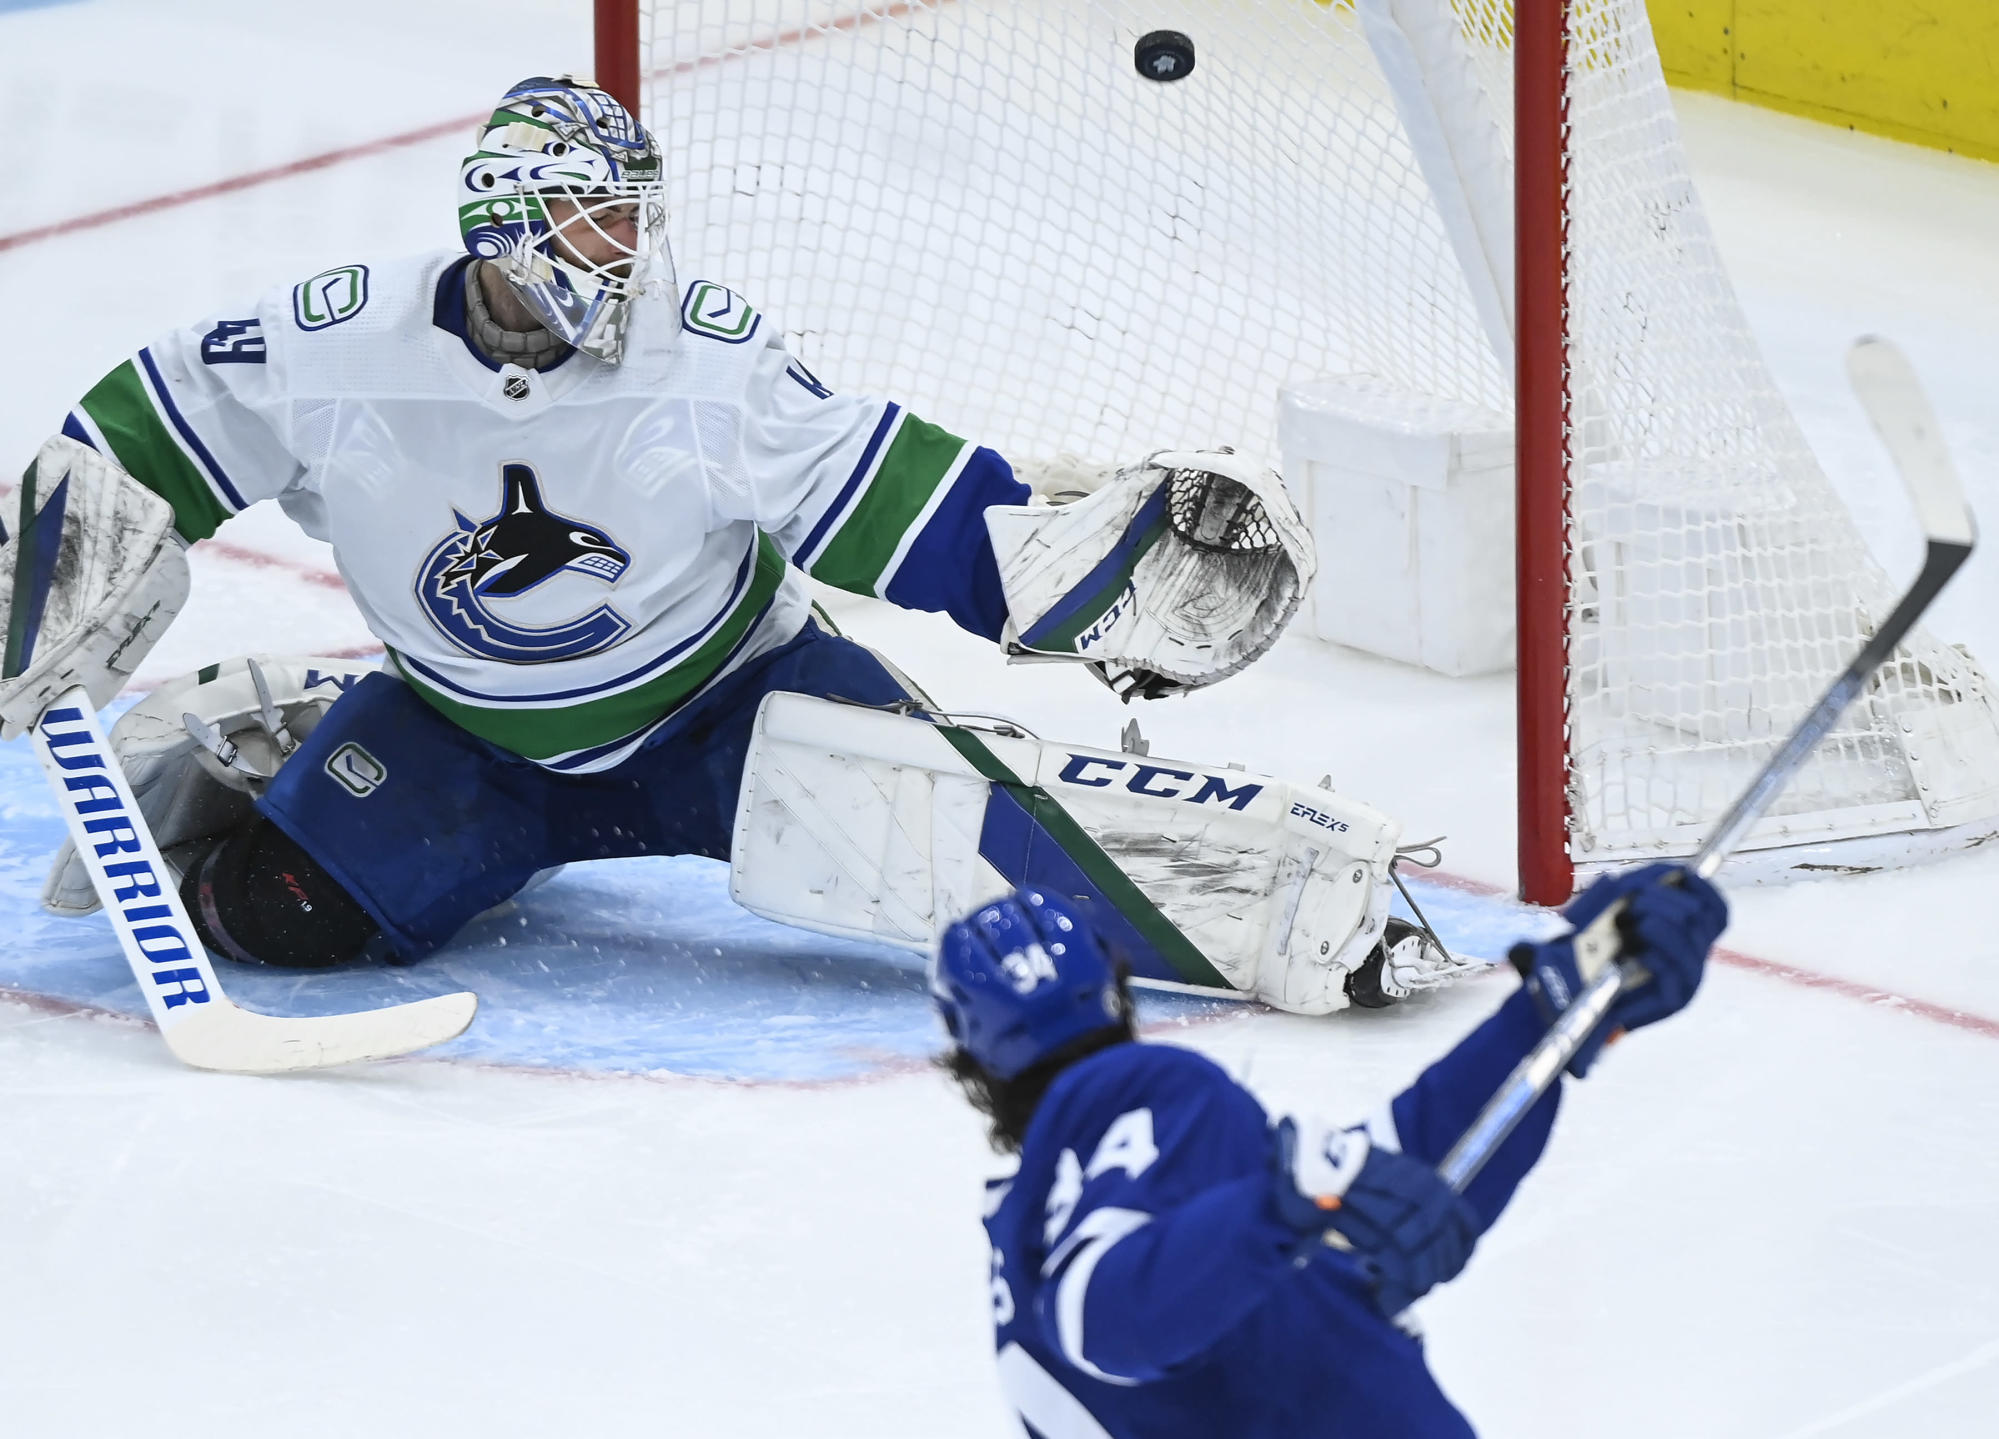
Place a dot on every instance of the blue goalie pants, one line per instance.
(427, 825)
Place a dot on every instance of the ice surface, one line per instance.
(630, 967)
(661, 1189)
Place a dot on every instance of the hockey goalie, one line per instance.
(576, 501)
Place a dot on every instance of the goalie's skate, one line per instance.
(1407, 960)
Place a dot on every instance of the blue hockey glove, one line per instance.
(1410, 1229)
(1668, 929)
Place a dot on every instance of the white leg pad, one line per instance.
(869, 824)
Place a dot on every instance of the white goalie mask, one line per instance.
(565, 194)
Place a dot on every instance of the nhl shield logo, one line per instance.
(481, 562)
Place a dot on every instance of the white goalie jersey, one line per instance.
(556, 560)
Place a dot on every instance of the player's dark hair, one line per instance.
(1009, 1104)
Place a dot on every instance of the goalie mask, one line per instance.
(565, 194)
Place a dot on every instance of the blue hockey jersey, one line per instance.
(1144, 1288)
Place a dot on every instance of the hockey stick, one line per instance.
(1893, 398)
(198, 1021)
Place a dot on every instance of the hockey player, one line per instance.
(576, 502)
(1166, 1263)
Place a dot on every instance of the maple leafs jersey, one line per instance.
(555, 560)
(1144, 1286)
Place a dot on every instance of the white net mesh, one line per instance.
(983, 209)
(980, 208)
(1717, 583)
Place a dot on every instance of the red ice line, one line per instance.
(901, 1065)
(435, 131)
(298, 569)
(234, 183)
(1790, 974)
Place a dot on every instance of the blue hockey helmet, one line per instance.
(566, 193)
(1019, 978)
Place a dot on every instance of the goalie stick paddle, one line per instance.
(200, 1024)
(1893, 397)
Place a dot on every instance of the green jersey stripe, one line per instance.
(923, 517)
(919, 463)
(1099, 868)
(142, 442)
(548, 733)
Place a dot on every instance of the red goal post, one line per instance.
(1546, 874)
(1466, 206)
(1541, 449)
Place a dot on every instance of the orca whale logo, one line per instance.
(522, 547)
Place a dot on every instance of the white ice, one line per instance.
(1772, 1218)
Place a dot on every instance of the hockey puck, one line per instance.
(1164, 55)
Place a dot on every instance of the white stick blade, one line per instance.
(238, 1041)
(201, 1025)
(1893, 397)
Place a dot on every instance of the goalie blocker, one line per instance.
(877, 824)
(91, 575)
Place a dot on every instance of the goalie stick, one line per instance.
(199, 1022)
(1893, 397)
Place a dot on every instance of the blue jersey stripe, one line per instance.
(838, 507)
(950, 566)
(208, 461)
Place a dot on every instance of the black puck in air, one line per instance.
(1164, 55)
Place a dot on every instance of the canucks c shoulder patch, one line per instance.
(719, 313)
(330, 297)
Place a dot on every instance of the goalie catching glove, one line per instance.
(91, 575)
(1176, 573)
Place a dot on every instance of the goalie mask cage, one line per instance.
(982, 209)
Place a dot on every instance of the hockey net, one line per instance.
(981, 208)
